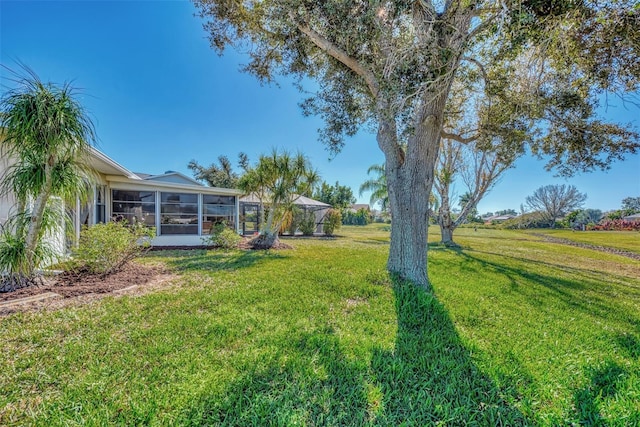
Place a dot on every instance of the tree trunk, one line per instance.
(268, 236)
(447, 236)
(445, 221)
(446, 228)
(265, 241)
(409, 182)
(35, 225)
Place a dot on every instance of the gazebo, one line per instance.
(250, 212)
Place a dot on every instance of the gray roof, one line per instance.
(300, 201)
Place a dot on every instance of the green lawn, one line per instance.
(520, 332)
(625, 240)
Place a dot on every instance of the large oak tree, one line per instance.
(392, 64)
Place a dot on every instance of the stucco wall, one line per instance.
(7, 202)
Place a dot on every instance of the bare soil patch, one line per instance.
(87, 287)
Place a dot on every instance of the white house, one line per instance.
(181, 209)
(634, 217)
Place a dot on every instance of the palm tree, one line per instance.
(47, 133)
(377, 186)
(278, 180)
(218, 175)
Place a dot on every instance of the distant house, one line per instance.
(634, 217)
(181, 209)
(250, 212)
(356, 207)
(498, 218)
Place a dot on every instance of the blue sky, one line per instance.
(160, 96)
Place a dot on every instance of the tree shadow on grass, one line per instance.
(606, 382)
(221, 260)
(571, 292)
(428, 378)
(311, 382)
(629, 343)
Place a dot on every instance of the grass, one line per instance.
(625, 240)
(518, 332)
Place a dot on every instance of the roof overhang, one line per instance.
(114, 180)
(107, 166)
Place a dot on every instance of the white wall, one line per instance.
(177, 240)
(7, 202)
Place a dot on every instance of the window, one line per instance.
(100, 214)
(218, 209)
(178, 213)
(134, 206)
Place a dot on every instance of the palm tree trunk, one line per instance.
(268, 236)
(34, 232)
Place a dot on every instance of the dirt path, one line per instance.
(615, 251)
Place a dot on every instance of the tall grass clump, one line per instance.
(15, 270)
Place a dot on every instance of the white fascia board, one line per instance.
(122, 182)
(109, 161)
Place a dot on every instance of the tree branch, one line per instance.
(446, 135)
(480, 66)
(340, 55)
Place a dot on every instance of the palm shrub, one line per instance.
(15, 269)
(293, 222)
(308, 223)
(47, 133)
(278, 179)
(105, 248)
(332, 221)
(362, 217)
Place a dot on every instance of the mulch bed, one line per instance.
(69, 285)
(85, 287)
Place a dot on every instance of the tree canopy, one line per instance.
(631, 205)
(220, 174)
(378, 187)
(554, 201)
(338, 196)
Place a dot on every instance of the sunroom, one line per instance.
(182, 210)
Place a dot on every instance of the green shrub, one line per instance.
(223, 237)
(332, 221)
(361, 217)
(14, 268)
(104, 248)
(308, 223)
(292, 221)
(528, 220)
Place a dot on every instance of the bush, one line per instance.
(223, 237)
(615, 225)
(361, 217)
(332, 221)
(528, 220)
(291, 221)
(105, 248)
(308, 224)
(14, 267)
